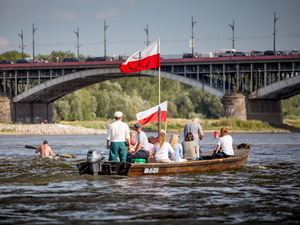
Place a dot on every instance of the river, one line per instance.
(43, 191)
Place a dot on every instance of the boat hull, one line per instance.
(239, 159)
(190, 167)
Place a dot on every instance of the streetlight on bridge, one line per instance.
(105, 27)
(147, 34)
(21, 35)
(192, 38)
(33, 31)
(77, 34)
(232, 27)
(274, 32)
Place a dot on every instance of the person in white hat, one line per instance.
(118, 133)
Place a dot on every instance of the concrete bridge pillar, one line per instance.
(5, 112)
(240, 107)
(25, 113)
(269, 111)
(234, 106)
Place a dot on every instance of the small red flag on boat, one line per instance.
(146, 59)
(151, 115)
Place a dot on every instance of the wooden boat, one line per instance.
(241, 155)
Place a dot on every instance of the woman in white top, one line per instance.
(224, 145)
(162, 148)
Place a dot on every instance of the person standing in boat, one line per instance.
(195, 128)
(45, 150)
(190, 148)
(224, 145)
(142, 148)
(118, 133)
(162, 149)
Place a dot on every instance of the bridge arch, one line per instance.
(54, 89)
(280, 90)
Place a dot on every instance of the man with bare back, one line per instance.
(45, 150)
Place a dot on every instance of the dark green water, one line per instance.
(45, 191)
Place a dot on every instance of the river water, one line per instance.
(44, 191)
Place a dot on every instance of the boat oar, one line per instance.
(30, 147)
(63, 155)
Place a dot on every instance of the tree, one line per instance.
(82, 58)
(13, 56)
(43, 57)
(62, 108)
(207, 104)
(61, 55)
(103, 104)
(184, 105)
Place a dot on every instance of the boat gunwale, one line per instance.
(195, 163)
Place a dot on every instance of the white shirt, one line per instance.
(162, 153)
(118, 132)
(226, 144)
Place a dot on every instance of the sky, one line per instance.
(169, 20)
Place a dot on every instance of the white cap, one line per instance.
(118, 114)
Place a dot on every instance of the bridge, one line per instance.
(252, 87)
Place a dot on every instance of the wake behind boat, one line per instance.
(96, 165)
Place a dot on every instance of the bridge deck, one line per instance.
(263, 77)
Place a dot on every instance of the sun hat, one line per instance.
(118, 114)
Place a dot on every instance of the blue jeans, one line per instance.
(141, 154)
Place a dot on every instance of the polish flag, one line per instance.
(146, 59)
(151, 115)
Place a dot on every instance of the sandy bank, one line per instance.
(46, 129)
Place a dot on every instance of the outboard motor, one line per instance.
(94, 158)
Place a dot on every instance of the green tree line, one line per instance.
(135, 94)
(52, 57)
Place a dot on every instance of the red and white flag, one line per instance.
(146, 59)
(151, 115)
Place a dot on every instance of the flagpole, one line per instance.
(159, 85)
(159, 110)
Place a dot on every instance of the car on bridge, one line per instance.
(281, 53)
(71, 60)
(269, 52)
(187, 55)
(240, 54)
(226, 52)
(96, 59)
(206, 55)
(22, 61)
(6, 62)
(257, 53)
(294, 52)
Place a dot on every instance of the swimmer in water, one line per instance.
(45, 150)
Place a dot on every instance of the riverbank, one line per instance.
(46, 129)
(173, 125)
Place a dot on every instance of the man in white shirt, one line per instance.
(118, 133)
